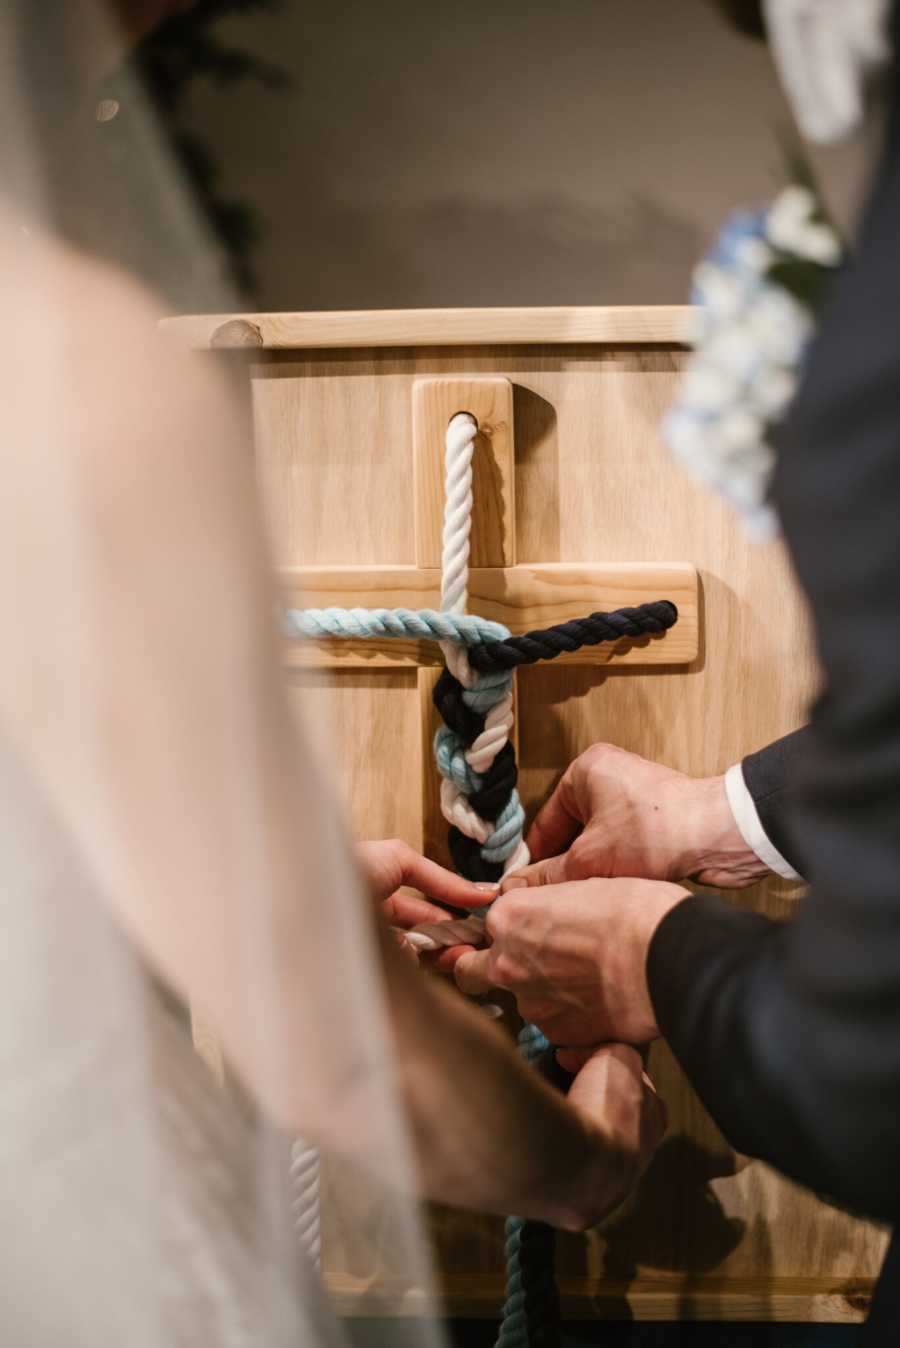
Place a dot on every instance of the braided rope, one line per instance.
(493, 836)
(476, 760)
(477, 764)
(305, 1203)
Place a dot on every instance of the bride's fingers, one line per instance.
(572, 1060)
(408, 910)
(391, 863)
(442, 884)
(472, 973)
(445, 961)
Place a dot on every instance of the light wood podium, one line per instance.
(591, 489)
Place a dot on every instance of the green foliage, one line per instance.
(184, 48)
(807, 281)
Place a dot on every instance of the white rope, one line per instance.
(456, 809)
(459, 446)
(305, 1204)
(459, 449)
(497, 729)
(520, 857)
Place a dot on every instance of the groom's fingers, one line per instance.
(551, 871)
(472, 973)
(556, 824)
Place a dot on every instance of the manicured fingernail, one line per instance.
(486, 888)
(491, 1010)
(421, 941)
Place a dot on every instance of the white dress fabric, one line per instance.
(143, 1205)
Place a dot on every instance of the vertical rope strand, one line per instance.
(306, 1200)
(490, 696)
(459, 450)
(477, 763)
(531, 1314)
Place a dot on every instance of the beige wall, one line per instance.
(493, 151)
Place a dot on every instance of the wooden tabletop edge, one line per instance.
(663, 324)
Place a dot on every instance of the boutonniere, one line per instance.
(756, 298)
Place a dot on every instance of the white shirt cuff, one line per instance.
(749, 826)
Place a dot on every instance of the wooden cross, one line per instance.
(523, 597)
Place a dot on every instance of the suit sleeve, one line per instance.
(791, 1033)
(759, 791)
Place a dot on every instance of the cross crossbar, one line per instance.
(522, 597)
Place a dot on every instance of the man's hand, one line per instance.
(574, 956)
(389, 865)
(616, 814)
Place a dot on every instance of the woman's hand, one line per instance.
(616, 1097)
(388, 866)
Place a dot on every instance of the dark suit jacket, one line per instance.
(791, 1032)
(770, 775)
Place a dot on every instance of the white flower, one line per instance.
(780, 325)
(761, 523)
(733, 348)
(684, 433)
(754, 254)
(693, 325)
(750, 334)
(790, 226)
(787, 215)
(773, 390)
(708, 389)
(747, 489)
(820, 244)
(740, 429)
(721, 293)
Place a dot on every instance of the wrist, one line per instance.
(596, 1176)
(654, 910)
(715, 851)
(607, 1180)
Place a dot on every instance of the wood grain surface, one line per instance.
(431, 327)
(708, 1234)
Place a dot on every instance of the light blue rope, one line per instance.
(507, 832)
(529, 1317)
(449, 754)
(424, 624)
